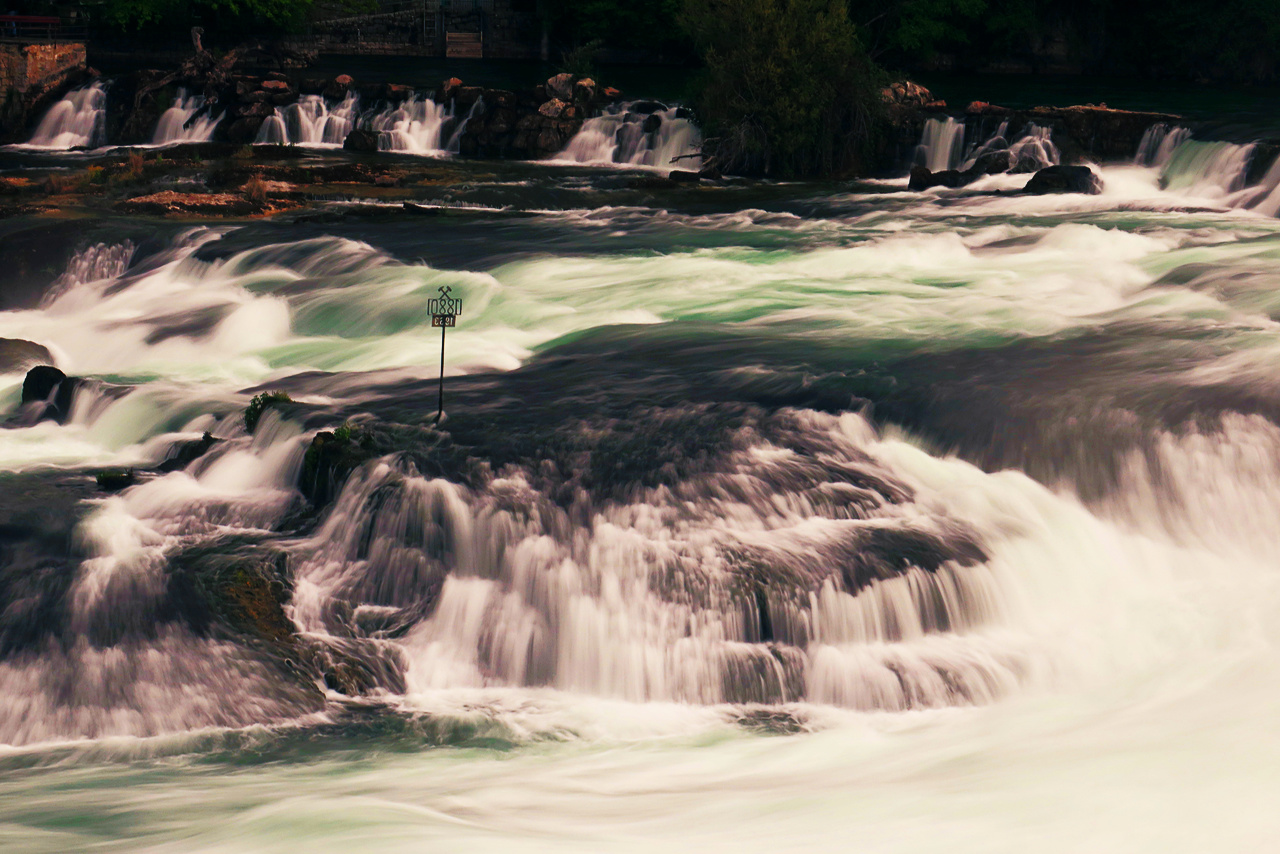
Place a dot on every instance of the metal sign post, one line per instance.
(444, 311)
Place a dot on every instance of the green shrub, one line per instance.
(789, 90)
(259, 404)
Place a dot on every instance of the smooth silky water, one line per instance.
(1002, 472)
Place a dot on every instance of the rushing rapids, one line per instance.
(969, 492)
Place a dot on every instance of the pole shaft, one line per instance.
(440, 396)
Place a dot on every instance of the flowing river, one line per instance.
(769, 517)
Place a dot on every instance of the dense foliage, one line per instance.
(177, 15)
(1189, 39)
(789, 90)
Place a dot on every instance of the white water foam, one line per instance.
(78, 120)
(619, 136)
(178, 123)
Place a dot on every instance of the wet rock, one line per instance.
(561, 86)
(33, 257)
(233, 588)
(553, 109)
(449, 87)
(1064, 179)
(39, 553)
(923, 179)
(684, 176)
(279, 92)
(338, 87)
(115, 480)
(361, 140)
(993, 163)
(652, 123)
(244, 130)
(906, 93)
(584, 91)
(396, 93)
(47, 393)
(199, 204)
(184, 454)
(644, 108)
(18, 355)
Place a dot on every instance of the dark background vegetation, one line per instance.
(1221, 40)
(790, 87)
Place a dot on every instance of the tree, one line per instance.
(177, 15)
(789, 90)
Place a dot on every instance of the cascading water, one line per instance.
(78, 120)
(665, 138)
(941, 144)
(417, 126)
(1211, 170)
(967, 502)
(180, 123)
(1158, 144)
(311, 121)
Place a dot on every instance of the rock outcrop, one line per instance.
(1065, 179)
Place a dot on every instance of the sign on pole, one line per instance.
(444, 311)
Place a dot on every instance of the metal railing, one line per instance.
(40, 28)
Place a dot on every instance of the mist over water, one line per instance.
(762, 518)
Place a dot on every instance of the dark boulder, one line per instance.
(49, 393)
(185, 453)
(652, 123)
(1064, 179)
(684, 176)
(561, 86)
(338, 87)
(244, 130)
(992, 163)
(584, 91)
(923, 179)
(361, 140)
(18, 355)
(115, 480)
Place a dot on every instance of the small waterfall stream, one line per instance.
(635, 138)
(311, 121)
(941, 144)
(178, 125)
(416, 126)
(78, 120)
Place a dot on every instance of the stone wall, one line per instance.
(31, 76)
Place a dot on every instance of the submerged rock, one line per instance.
(1064, 179)
(361, 140)
(47, 393)
(114, 481)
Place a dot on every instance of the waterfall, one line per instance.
(173, 126)
(311, 121)
(1212, 170)
(624, 136)
(78, 120)
(1158, 144)
(1035, 150)
(941, 144)
(416, 126)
